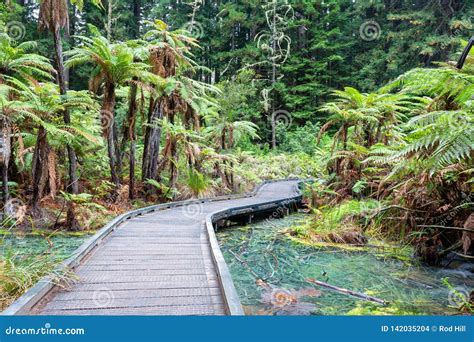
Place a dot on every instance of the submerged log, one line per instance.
(347, 292)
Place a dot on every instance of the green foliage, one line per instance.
(19, 272)
(198, 183)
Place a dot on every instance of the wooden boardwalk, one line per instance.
(163, 263)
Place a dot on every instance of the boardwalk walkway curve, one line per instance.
(159, 260)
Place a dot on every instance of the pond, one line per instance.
(60, 246)
(270, 272)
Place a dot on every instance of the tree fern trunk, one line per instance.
(152, 138)
(108, 111)
(72, 185)
(129, 134)
(6, 153)
(40, 170)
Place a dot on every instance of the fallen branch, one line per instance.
(444, 227)
(450, 249)
(347, 292)
(464, 255)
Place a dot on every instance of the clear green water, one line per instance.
(260, 250)
(58, 246)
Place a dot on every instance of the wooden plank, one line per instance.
(84, 274)
(151, 267)
(143, 286)
(110, 278)
(152, 263)
(108, 301)
(122, 294)
(193, 310)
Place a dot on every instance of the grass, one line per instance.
(20, 272)
(350, 226)
(27, 257)
(342, 223)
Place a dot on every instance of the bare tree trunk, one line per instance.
(118, 150)
(108, 107)
(153, 139)
(173, 165)
(72, 185)
(108, 27)
(129, 134)
(274, 71)
(40, 170)
(5, 190)
(6, 152)
(137, 17)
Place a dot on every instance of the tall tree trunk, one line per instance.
(5, 156)
(129, 134)
(72, 185)
(5, 190)
(118, 150)
(40, 170)
(108, 27)
(6, 152)
(173, 165)
(108, 107)
(153, 139)
(137, 17)
(274, 75)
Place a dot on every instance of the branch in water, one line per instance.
(347, 292)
